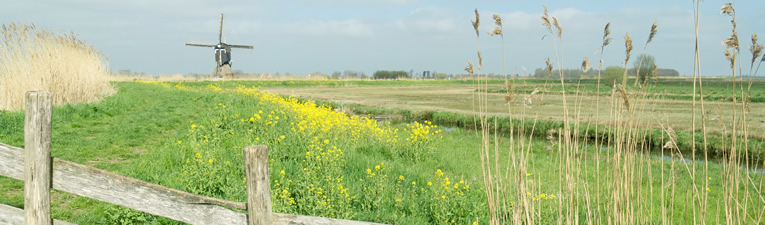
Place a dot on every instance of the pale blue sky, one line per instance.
(306, 36)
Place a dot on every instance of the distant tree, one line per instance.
(668, 73)
(540, 73)
(645, 66)
(351, 74)
(612, 75)
(336, 75)
(385, 74)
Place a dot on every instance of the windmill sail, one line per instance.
(220, 30)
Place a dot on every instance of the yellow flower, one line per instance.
(443, 196)
(401, 177)
(528, 174)
(429, 183)
(281, 172)
(193, 126)
(708, 189)
(414, 183)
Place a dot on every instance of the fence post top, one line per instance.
(256, 148)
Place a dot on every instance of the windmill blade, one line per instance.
(241, 46)
(199, 45)
(220, 30)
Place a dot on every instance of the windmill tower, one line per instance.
(222, 54)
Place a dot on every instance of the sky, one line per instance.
(325, 36)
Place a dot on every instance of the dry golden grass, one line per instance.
(36, 59)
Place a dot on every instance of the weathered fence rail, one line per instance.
(130, 192)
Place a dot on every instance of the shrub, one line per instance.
(613, 75)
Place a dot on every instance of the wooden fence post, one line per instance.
(259, 210)
(37, 161)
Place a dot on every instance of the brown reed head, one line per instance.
(480, 60)
(755, 49)
(498, 29)
(527, 101)
(510, 91)
(558, 29)
(671, 144)
(549, 67)
(586, 64)
(731, 42)
(476, 22)
(728, 9)
(623, 93)
(628, 45)
(730, 58)
(495, 31)
(546, 20)
(469, 68)
(606, 32)
(653, 32)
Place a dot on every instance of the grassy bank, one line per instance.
(192, 138)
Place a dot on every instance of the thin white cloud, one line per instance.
(430, 20)
(520, 20)
(345, 28)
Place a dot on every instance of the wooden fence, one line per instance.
(40, 172)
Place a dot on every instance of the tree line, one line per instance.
(644, 68)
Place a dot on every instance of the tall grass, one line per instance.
(631, 187)
(33, 58)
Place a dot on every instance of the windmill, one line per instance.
(222, 54)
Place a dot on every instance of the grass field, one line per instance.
(457, 97)
(190, 136)
(465, 151)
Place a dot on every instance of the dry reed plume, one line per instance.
(36, 59)
(653, 32)
(586, 64)
(628, 46)
(628, 180)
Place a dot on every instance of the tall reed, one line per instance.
(33, 58)
(631, 186)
